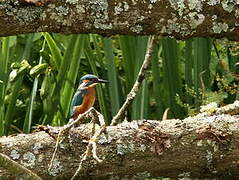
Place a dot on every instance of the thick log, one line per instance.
(196, 147)
(181, 19)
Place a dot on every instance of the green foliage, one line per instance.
(34, 72)
(70, 78)
(39, 74)
(172, 78)
(201, 75)
(112, 75)
(157, 99)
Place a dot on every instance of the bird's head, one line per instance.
(90, 80)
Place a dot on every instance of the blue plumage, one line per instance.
(77, 100)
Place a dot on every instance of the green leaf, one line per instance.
(28, 118)
(4, 60)
(172, 74)
(188, 70)
(58, 86)
(16, 86)
(68, 89)
(112, 76)
(55, 51)
(157, 83)
(202, 56)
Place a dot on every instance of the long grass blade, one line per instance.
(68, 89)
(172, 74)
(233, 69)
(59, 83)
(29, 113)
(127, 45)
(189, 70)
(112, 76)
(55, 51)
(11, 106)
(3, 78)
(144, 106)
(133, 51)
(157, 83)
(202, 56)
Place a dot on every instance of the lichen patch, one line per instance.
(28, 160)
(14, 154)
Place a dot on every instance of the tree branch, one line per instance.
(181, 19)
(205, 145)
(16, 168)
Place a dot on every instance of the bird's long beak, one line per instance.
(102, 81)
(99, 81)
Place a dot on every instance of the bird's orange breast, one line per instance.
(88, 102)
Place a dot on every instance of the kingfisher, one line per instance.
(84, 97)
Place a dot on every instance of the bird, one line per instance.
(84, 97)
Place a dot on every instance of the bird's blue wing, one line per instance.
(77, 100)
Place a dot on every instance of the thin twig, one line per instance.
(141, 75)
(16, 168)
(92, 144)
(96, 116)
(65, 129)
(85, 155)
(55, 150)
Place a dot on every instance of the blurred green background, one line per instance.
(40, 72)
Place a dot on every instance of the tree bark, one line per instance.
(197, 147)
(181, 19)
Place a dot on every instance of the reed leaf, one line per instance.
(127, 45)
(202, 56)
(112, 76)
(133, 51)
(11, 106)
(172, 74)
(233, 59)
(60, 81)
(72, 73)
(189, 70)
(55, 51)
(144, 101)
(97, 49)
(46, 96)
(28, 119)
(157, 83)
(3, 78)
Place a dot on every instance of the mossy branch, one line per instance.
(205, 145)
(16, 168)
(183, 20)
